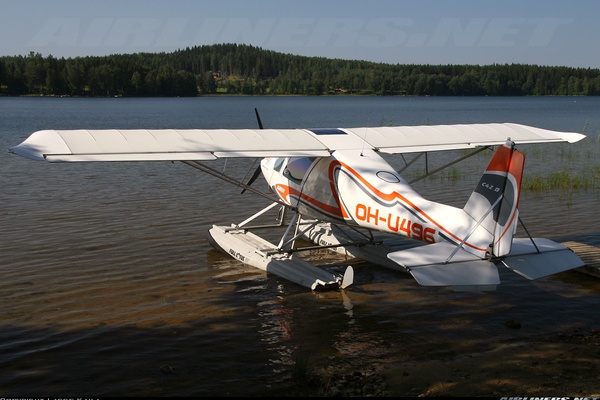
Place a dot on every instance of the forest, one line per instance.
(232, 69)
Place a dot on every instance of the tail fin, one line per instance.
(493, 204)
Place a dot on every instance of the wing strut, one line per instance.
(429, 173)
(229, 179)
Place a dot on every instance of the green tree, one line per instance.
(35, 73)
(252, 70)
(207, 83)
(137, 83)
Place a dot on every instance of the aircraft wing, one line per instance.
(210, 144)
(411, 139)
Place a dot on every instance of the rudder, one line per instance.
(494, 202)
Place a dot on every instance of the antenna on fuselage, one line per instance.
(364, 142)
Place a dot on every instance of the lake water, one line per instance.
(108, 286)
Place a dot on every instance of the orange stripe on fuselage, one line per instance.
(289, 191)
(388, 198)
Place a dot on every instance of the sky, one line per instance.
(437, 32)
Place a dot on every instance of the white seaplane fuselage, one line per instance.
(360, 188)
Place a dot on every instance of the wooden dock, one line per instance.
(589, 254)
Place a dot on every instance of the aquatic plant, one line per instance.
(561, 180)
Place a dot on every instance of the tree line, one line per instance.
(244, 69)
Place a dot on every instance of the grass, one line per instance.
(562, 180)
(582, 160)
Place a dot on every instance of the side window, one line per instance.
(297, 167)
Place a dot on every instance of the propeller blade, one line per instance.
(260, 125)
(255, 175)
(257, 170)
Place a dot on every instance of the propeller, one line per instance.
(255, 175)
(260, 125)
(257, 171)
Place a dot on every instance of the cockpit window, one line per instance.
(278, 163)
(297, 167)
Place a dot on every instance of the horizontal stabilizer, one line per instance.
(548, 258)
(431, 265)
(435, 264)
(471, 273)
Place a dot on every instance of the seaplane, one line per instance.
(333, 188)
